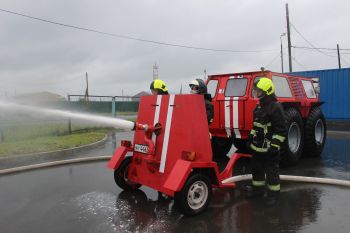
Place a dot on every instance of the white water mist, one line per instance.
(108, 121)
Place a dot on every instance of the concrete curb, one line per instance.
(337, 133)
(52, 164)
(50, 155)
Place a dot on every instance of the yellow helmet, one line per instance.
(158, 84)
(265, 84)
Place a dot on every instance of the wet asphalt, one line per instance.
(84, 198)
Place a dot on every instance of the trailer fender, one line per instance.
(178, 175)
(118, 157)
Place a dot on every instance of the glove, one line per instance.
(273, 151)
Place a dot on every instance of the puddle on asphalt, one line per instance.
(128, 212)
(302, 206)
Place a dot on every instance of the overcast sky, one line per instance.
(37, 56)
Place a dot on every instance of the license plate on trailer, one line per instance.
(141, 148)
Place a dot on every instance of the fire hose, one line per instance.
(238, 178)
(305, 179)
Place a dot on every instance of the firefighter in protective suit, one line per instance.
(265, 142)
(199, 87)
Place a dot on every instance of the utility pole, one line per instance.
(205, 74)
(289, 44)
(283, 34)
(338, 56)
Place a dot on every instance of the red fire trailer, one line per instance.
(172, 152)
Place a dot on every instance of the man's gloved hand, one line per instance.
(273, 150)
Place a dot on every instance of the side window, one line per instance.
(282, 88)
(309, 89)
(212, 86)
(236, 87)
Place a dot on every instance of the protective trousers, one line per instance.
(265, 163)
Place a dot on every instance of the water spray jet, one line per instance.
(108, 121)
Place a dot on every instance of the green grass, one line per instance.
(25, 137)
(50, 143)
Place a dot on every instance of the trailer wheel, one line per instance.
(221, 146)
(293, 148)
(121, 176)
(195, 195)
(315, 133)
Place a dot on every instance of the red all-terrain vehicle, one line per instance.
(233, 113)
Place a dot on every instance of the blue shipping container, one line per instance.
(335, 91)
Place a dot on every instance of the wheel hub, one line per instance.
(197, 195)
(319, 131)
(294, 137)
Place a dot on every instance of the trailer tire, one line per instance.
(221, 146)
(195, 195)
(293, 146)
(315, 133)
(120, 176)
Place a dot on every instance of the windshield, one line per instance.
(236, 87)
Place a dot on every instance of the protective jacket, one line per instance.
(209, 108)
(269, 126)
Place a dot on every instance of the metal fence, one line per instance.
(102, 104)
(21, 125)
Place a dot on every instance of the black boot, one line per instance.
(254, 191)
(272, 198)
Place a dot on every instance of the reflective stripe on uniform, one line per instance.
(253, 132)
(258, 182)
(275, 187)
(275, 145)
(257, 149)
(278, 137)
(263, 126)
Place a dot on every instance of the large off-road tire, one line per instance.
(293, 146)
(315, 133)
(195, 195)
(121, 176)
(221, 146)
(241, 145)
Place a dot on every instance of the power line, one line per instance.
(310, 42)
(314, 50)
(134, 38)
(344, 60)
(304, 47)
(273, 60)
(299, 63)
